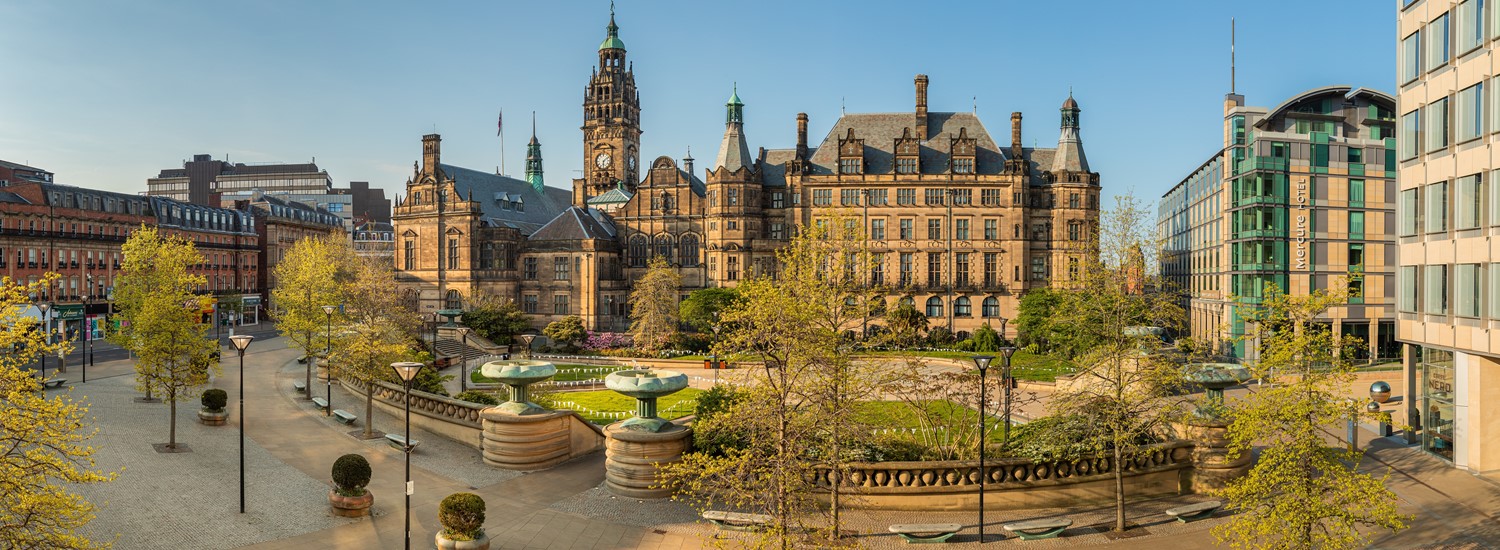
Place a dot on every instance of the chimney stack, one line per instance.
(1015, 132)
(921, 107)
(432, 147)
(802, 136)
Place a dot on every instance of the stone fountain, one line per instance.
(637, 448)
(519, 434)
(1208, 427)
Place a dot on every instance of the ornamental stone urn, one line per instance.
(521, 435)
(1213, 464)
(636, 449)
(351, 506)
(444, 543)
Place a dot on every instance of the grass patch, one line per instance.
(589, 403)
(565, 373)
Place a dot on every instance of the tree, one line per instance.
(1124, 387)
(1032, 313)
(495, 318)
(41, 438)
(794, 425)
(377, 324)
(653, 305)
(306, 280)
(1302, 493)
(906, 324)
(156, 297)
(700, 311)
(567, 332)
(986, 339)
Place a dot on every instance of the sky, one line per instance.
(107, 94)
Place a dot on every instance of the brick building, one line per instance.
(961, 223)
(279, 224)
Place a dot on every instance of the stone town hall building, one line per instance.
(961, 224)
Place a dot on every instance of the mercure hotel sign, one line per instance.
(1301, 235)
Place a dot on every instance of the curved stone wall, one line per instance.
(537, 441)
(451, 418)
(1013, 483)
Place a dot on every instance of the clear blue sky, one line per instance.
(105, 94)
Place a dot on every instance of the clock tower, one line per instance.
(611, 122)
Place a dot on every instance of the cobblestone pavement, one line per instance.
(190, 500)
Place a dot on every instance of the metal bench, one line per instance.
(53, 383)
(738, 521)
(299, 386)
(922, 533)
(1038, 528)
(400, 442)
(344, 417)
(320, 402)
(1194, 512)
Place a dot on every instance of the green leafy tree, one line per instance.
(1032, 313)
(306, 280)
(495, 318)
(1302, 494)
(156, 298)
(653, 306)
(43, 450)
(906, 325)
(374, 335)
(701, 310)
(798, 419)
(566, 332)
(1124, 387)
(986, 339)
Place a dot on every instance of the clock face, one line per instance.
(602, 161)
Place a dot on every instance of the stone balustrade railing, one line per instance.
(457, 420)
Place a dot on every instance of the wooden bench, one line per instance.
(344, 417)
(299, 386)
(1194, 512)
(921, 533)
(320, 402)
(1038, 528)
(53, 383)
(400, 443)
(738, 521)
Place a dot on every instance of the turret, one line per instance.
(534, 159)
(1069, 156)
(734, 153)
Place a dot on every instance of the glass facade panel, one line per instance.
(1407, 212)
(1436, 197)
(1466, 202)
(1466, 290)
(1470, 117)
(1437, 125)
(1437, 410)
(1407, 279)
(1411, 124)
(1438, 42)
(1411, 57)
(1435, 290)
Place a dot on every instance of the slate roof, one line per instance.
(491, 190)
(575, 224)
(734, 153)
(617, 195)
(773, 166)
(7, 196)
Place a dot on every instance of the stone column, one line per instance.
(1212, 467)
(634, 457)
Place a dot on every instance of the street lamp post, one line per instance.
(1003, 321)
(407, 372)
(526, 339)
(463, 360)
(88, 337)
(983, 363)
(240, 343)
(328, 360)
(46, 335)
(1005, 378)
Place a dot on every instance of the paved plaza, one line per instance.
(190, 500)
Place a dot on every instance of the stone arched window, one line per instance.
(454, 301)
(688, 250)
(664, 246)
(961, 307)
(934, 307)
(991, 307)
(639, 248)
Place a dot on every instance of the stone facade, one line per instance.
(962, 225)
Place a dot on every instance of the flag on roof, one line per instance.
(500, 123)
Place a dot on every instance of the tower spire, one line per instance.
(734, 153)
(534, 159)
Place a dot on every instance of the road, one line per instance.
(103, 351)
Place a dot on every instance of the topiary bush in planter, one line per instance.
(462, 516)
(213, 413)
(351, 473)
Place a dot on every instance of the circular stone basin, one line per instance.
(646, 383)
(518, 372)
(1216, 376)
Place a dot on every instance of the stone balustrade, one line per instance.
(457, 420)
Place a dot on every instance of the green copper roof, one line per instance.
(613, 42)
(734, 98)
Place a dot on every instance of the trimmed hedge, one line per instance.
(351, 473)
(462, 516)
(215, 399)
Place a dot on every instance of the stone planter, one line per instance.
(445, 543)
(634, 458)
(213, 418)
(351, 507)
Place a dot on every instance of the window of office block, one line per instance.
(1470, 115)
(822, 197)
(1435, 290)
(906, 196)
(1408, 211)
(1407, 280)
(1438, 42)
(1466, 195)
(1437, 125)
(847, 197)
(1466, 290)
(961, 229)
(906, 229)
(1238, 122)
(1411, 126)
(1356, 193)
(1356, 256)
(1411, 57)
(560, 304)
(933, 197)
(1436, 197)
(1356, 225)
(877, 229)
(934, 228)
(1493, 90)
(991, 229)
(1494, 309)
(876, 197)
(1470, 21)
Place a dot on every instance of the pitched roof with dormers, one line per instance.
(881, 130)
(507, 201)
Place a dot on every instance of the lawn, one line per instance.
(590, 403)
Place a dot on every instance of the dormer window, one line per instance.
(908, 152)
(850, 166)
(851, 154)
(906, 165)
(961, 149)
(963, 165)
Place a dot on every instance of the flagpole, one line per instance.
(500, 124)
